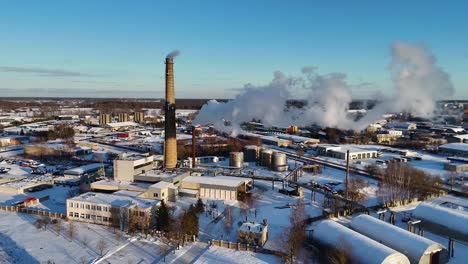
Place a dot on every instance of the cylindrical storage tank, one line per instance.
(266, 157)
(360, 248)
(279, 162)
(417, 248)
(251, 153)
(236, 159)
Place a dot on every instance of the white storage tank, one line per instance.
(279, 162)
(236, 159)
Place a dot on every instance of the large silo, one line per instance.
(279, 162)
(236, 159)
(251, 153)
(266, 157)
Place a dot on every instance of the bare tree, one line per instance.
(295, 236)
(228, 219)
(85, 240)
(356, 190)
(83, 260)
(71, 230)
(101, 246)
(57, 223)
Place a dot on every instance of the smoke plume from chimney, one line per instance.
(173, 54)
(418, 82)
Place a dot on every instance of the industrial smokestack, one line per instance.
(194, 146)
(170, 142)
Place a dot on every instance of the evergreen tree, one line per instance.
(163, 221)
(199, 206)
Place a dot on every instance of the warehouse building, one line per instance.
(359, 247)
(218, 188)
(456, 149)
(340, 152)
(441, 218)
(417, 248)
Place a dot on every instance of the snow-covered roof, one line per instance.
(115, 200)
(297, 139)
(122, 124)
(218, 180)
(252, 227)
(360, 247)
(162, 185)
(455, 146)
(84, 169)
(462, 137)
(452, 219)
(410, 244)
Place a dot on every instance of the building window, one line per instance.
(88, 206)
(93, 217)
(155, 195)
(70, 214)
(104, 209)
(110, 220)
(99, 218)
(104, 219)
(142, 214)
(87, 216)
(162, 195)
(77, 205)
(82, 206)
(93, 207)
(82, 216)
(71, 205)
(77, 215)
(98, 208)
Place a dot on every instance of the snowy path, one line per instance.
(192, 254)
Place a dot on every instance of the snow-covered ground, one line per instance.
(231, 256)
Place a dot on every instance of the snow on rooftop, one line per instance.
(218, 180)
(361, 248)
(252, 227)
(453, 219)
(455, 146)
(122, 124)
(115, 200)
(162, 185)
(84, 169)
(410, 244)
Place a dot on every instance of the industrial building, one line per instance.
(217, 188)
(126, 167)
(139, 117)
(417, 248)
(86, 173)
(267, 140)
(359, 247)
(120, 125)
(102, 209)
(455, 149)
(104, 119)
(444, 218)
(340, 152)
(299, 139)
(123, 117)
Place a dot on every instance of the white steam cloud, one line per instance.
(173, 54)
(418, 82)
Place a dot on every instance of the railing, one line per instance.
(25, 210)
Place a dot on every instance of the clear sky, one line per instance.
(115, 48)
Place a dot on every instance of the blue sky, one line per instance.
(116, 48)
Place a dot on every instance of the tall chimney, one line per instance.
(194, 147)
(170, 143)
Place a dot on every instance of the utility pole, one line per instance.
(347, 174)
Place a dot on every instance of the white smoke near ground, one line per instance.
(173, 54)
(417, 80)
